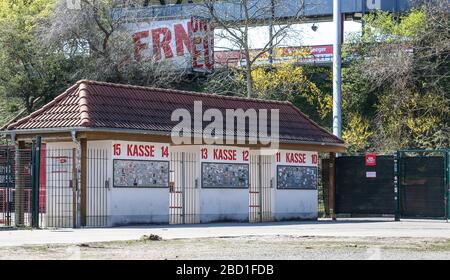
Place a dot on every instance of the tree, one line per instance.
(236, 28)
(399, 79)
(28, 72)
(308, 88)
(103, 46)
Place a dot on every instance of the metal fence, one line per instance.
(63, 191)
(358, 192)
(260, 192)
(15, 187)
(409, 184)
(183, 189)
(422, 181)
(98, 186)
(48, 187)
(60, 188)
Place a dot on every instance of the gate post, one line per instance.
(183, 187)
(397, 185)
(75, 219)
(331, 191)
(83, 182)
(9, 186)
(19, 184)
(260, 189)
(36, 163)
(447, 182)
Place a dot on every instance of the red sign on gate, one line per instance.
(371, 159)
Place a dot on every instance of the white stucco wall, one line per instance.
(292, 204)
(224, 204)
(139, 205)
(219, 204)
(135, 205)
(295, 204)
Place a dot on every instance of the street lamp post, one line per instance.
(337, 117)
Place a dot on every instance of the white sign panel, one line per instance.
(297, 158)
(296, 169)
(140, 150)
(225, 167)
(224, 154)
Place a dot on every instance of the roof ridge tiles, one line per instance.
(96, 104)
(44, 108)
(83, 94)
(206, 94)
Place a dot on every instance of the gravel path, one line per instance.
(324, 239)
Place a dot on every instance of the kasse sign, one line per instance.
(186, 43)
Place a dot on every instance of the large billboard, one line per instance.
(183, 43)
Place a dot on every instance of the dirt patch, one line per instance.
(250, 247)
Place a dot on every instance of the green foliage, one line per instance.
(293, 83)
(357, 134)
(307, 88)
(395, 91)
(28, 71)
(384, 27)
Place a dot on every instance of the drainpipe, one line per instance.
(76, 180)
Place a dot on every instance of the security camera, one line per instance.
(314, 27)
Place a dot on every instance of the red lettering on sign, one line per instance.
(204, 152)
(140, 150)
(295, 158)
(116, 148)
(245, 155)
(161, 43)
(164, 151)
(182, 38)
(224, 154)
(138, 45)
(314, 159)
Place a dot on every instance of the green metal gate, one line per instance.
(422, 184)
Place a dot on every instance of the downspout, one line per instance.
(77, 180)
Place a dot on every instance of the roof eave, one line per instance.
(145, 132)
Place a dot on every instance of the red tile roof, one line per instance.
(114, 106)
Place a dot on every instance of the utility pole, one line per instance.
(337, 117)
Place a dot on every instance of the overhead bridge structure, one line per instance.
(260, 10)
